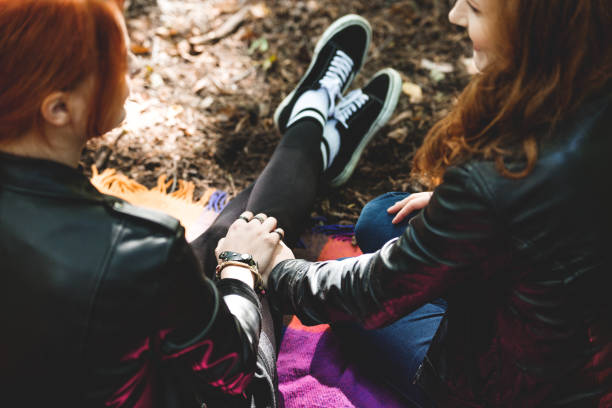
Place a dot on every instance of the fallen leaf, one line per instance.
(443, 67)
(413, 91)
(399, 135)
(436, 76)
(200, 85)
(184, 49)
(155, 80)
(402, 116)
(267, 64)
(139, 49)
(260, 10)
(260, 44)
(166, 32)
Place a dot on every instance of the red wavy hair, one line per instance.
(553, 54)
(54, 45)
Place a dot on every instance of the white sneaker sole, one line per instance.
(335, 27)
(395, 89)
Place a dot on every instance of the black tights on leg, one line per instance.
(285, 189)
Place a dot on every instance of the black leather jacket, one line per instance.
(522, 264)
(104, 304)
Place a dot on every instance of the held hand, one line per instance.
(256, 237)
(282, 253)
(409, 204)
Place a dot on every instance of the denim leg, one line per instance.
(374, 226)
(395, 352)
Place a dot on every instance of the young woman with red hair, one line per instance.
(104, 304)
(494, 294)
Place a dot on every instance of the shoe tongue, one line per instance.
(341, 65)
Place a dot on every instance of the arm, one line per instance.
(443, 246)
(209, 331)
(219, 341)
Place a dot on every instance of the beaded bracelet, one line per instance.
(257, 279)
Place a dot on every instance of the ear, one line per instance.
(54, 109)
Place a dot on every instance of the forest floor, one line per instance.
(210, 73)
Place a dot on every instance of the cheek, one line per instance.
(479, 34)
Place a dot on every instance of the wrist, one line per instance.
(256, 281)
(238, 272)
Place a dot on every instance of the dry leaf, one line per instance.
(200, 85)
(139, 49)
(443, 67)
(260, 10)
(402, 116)
(413, 91)
(399, 135)
(155, 80)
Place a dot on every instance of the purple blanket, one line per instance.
(313, 372)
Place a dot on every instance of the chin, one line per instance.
(480, 60)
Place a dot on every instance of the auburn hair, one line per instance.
(551, 56)
(54, 45)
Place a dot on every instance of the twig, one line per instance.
(174, 176)
(230, 25)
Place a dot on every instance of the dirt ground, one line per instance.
(208, 75)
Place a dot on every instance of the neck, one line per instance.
(54, 147)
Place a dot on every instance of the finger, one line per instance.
(269, 224)
(394, 208)
(261, 217)
(398, 205)
(280, 233)
(246, 216)
(398, 218)
(408, 209)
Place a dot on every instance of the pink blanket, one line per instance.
(314, 372)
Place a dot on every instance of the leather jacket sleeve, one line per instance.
(210, 331)
(440, 249)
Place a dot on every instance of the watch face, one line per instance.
(235, 256)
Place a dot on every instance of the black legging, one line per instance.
(286, 190)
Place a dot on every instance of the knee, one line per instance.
(369, 222)
(366, 221)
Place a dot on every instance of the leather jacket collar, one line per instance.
(46, 178)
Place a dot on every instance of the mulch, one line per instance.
(209, 74)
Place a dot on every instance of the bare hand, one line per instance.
(282, 253)
(253, 237)
(413, 202)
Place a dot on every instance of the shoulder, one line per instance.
(143, 240)
(139, 230)
(144, 217)
(473, 177)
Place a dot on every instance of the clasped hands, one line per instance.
(258, 236)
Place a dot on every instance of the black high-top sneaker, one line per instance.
(338, 57)
(360, 114)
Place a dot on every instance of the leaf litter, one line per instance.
(208, 74)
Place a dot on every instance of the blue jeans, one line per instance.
(395, 352)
